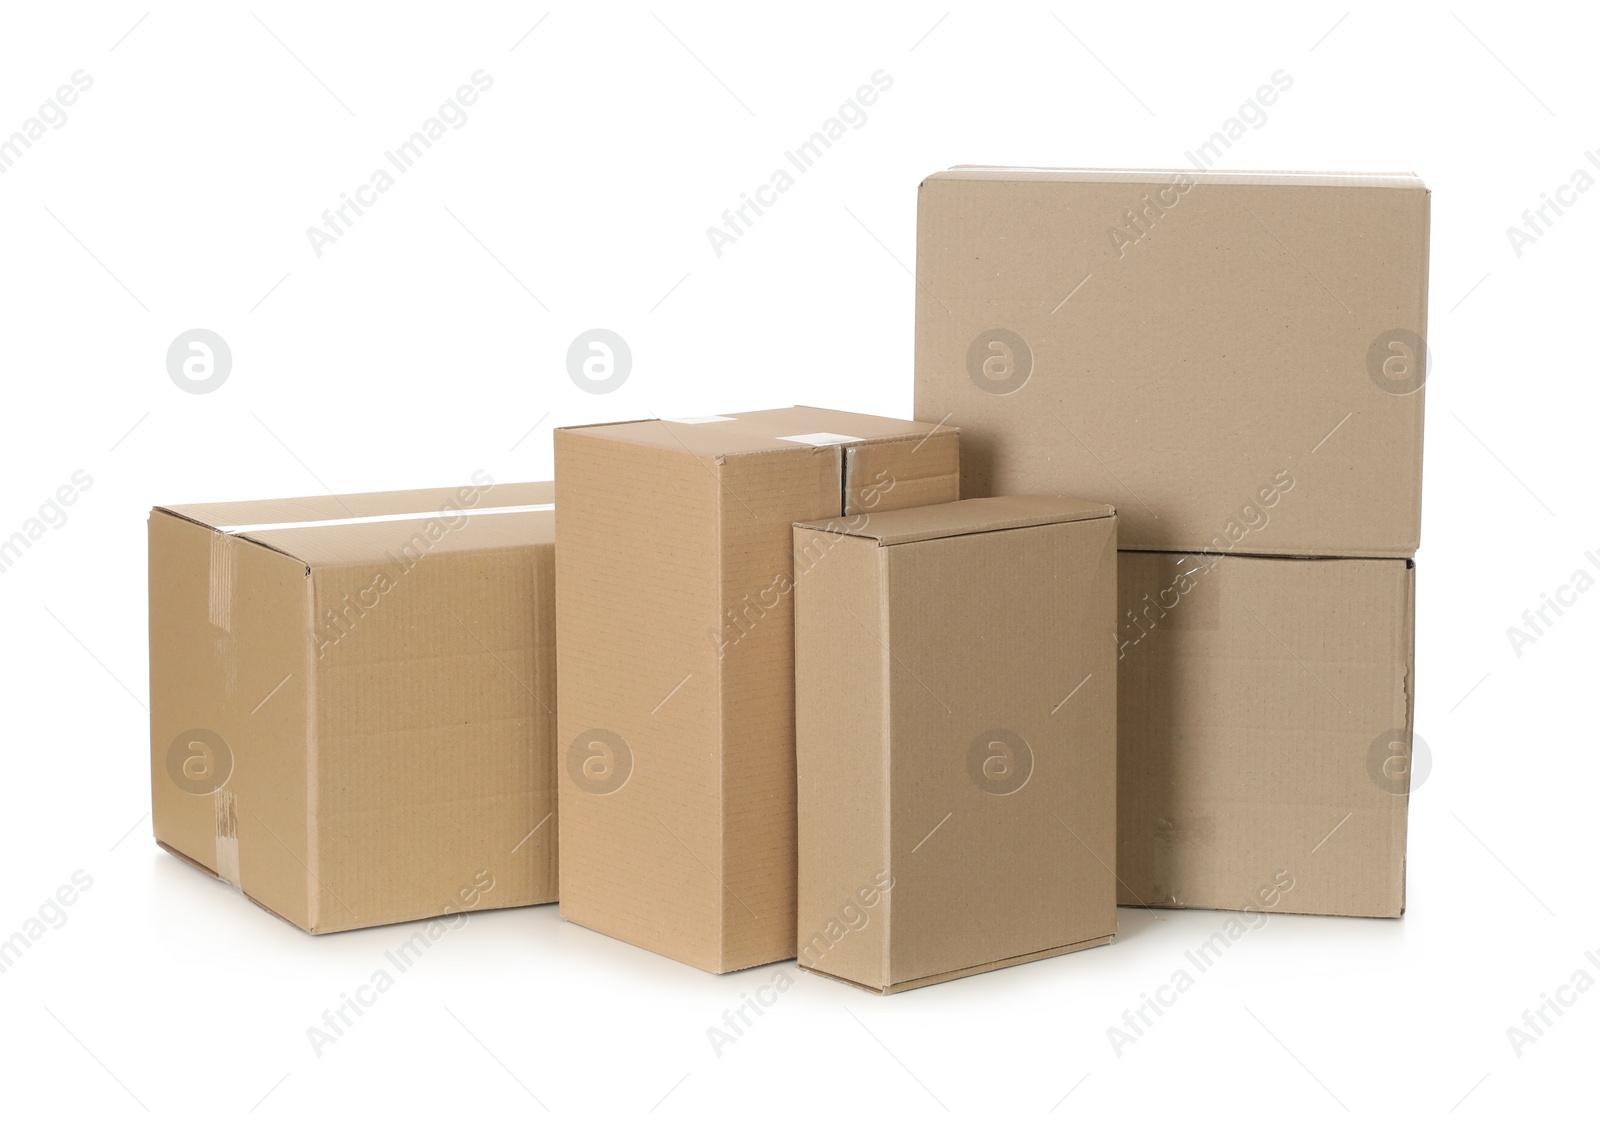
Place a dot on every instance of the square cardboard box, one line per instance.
(351, 700)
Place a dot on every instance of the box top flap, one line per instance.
(334, 530)
(964, 517)
(1405, 180)
(760, 431)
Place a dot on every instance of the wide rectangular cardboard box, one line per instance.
(1265, 732)
(1235, 360)
(351, 699)
(956, 723)
(675, 629)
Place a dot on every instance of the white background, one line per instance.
(430, 340)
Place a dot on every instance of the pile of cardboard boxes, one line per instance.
(813, 703)
(1235, 362)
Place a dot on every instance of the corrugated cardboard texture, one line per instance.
(383, 694)
(228, 621)
(1265, 732)
(956, 726)
(1233, 359)
(675, 629)
(966, 517)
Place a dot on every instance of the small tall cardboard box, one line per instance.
(1234, 359)
(1266, 754)
(675, 630)
(956, 722)
(351, 696)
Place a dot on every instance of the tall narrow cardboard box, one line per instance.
(956, 724)
(675, 632)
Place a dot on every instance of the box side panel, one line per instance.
(1003, 744)
(1223, 363)
(638, 615)
(842, 753)
(433, 747)
(1397, 767)
(1419, 365)
(228, 705)
(1265, 731)
(762, 497)
(901, 474)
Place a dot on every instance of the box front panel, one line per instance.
(1235, 367)
(434, 738)
(639, 628)
(1003, 773)
(763, 496)
(1265, 733)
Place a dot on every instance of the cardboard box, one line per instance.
(350, 700)
(1235, 360)
(1265, 733)
(956, 723)
(675, 630)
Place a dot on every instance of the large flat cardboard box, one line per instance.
(675, 627)
(1235, 360)
(1265, 733)
(956, 721)
(351, 700)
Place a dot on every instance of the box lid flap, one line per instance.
(964, 517)
(1408, 180)
(337, 529)
(761, 431)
